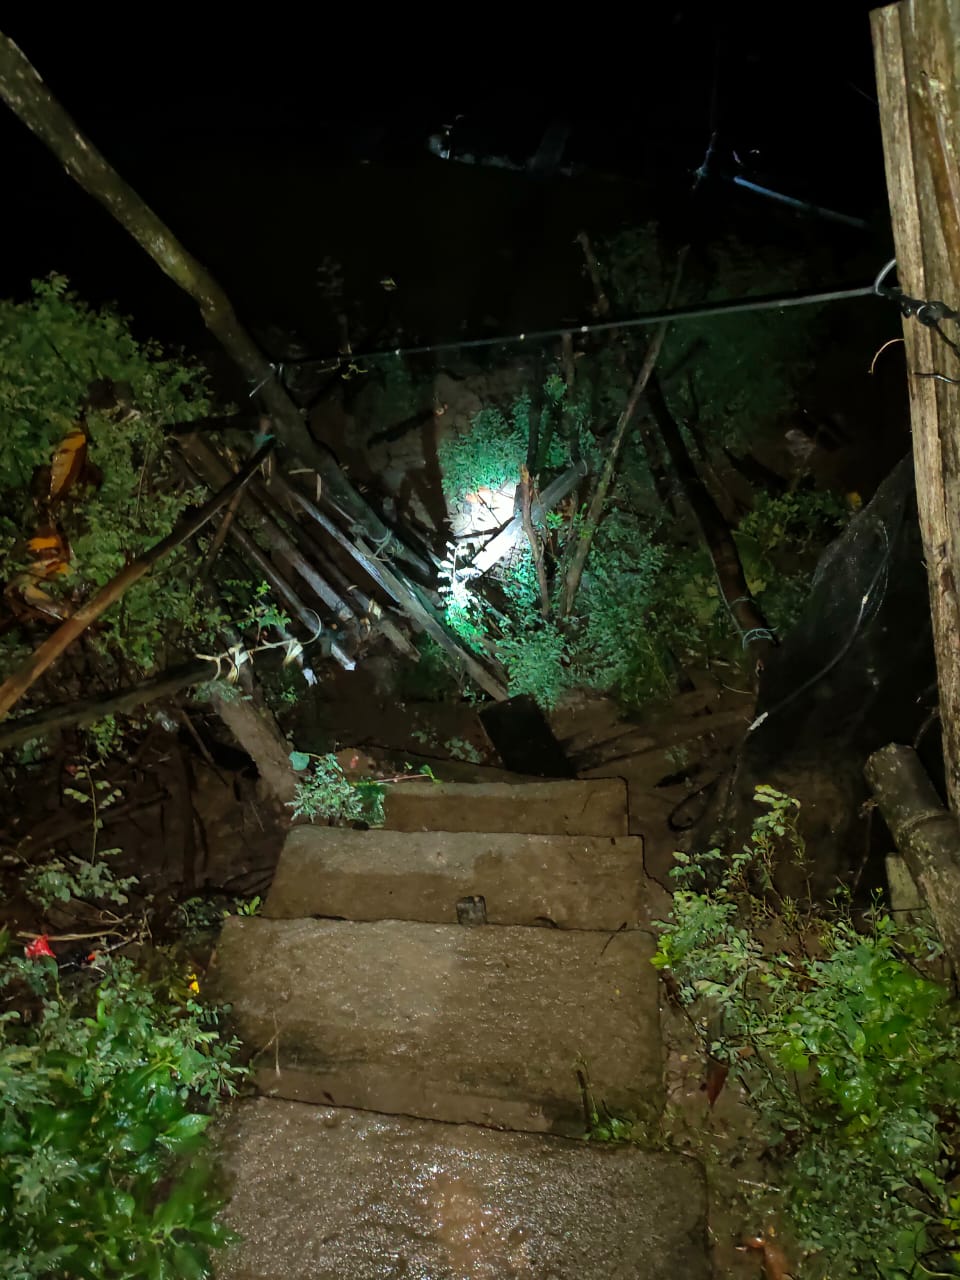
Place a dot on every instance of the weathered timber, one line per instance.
(84, 711)
(916, 47)
(926, 834)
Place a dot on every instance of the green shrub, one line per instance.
(326, 792)
(54, 352)
(106, 1088)
(849, 1053)
(534, 657)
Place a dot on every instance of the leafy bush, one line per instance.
(534, 657)
(850, 1054)
(107, 1088)
(492, 452)
(64, 366)
(59, 879)
(326, 792)
(779, 541)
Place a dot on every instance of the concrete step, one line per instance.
(569, 808)
(575, 882)
(323, 1194)
(483, 1025)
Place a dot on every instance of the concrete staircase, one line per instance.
(420, 1114)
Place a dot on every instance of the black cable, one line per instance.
(644, 320)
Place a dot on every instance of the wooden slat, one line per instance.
(917, 55)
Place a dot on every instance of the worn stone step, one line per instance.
(324, 1194)
(483, 1025)
(575, 882)
(570, 808)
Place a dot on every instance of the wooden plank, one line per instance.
(917, 56)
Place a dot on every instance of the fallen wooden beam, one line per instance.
(75, 715)
(403, 592)
(502, 543)
(926, 834)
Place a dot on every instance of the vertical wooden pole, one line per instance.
(917, 55)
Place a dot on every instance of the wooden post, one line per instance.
(917, 55)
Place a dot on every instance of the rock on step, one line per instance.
(574, 882)
(571, 808)
(483, 1025)
(322, 1194)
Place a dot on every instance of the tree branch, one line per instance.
(714, 530)
(86, 711)
(536, 546)
(578, 560)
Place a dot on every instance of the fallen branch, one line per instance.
(714, 531)
(604, 310)
(13, 688)
(926, 834)
(578, 560)
(221, 535)
(502, 543)
(70, 715)
(536, 546)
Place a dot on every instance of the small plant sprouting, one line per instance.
(326, 792)
(600, 1123)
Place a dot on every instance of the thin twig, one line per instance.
(536, 546)
(579, 559)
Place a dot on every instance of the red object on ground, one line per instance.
(38, 947)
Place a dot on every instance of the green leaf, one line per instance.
(214, 1232)
(137, 1139)
(191, 1262)
(299, 760)
(184, 1131)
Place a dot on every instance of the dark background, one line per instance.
(271, 141)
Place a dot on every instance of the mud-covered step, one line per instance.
(484, 1025)
(323, 1194)
(574, 882)
(569, 808)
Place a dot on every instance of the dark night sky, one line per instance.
(793, 97)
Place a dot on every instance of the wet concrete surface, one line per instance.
(484, 1025)
(329, 1194)
(573, 882)
(594, 808)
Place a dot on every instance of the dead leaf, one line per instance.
(775, 1265)
(68, 464)
(52, 552)
(716, 1078)
(27, 599)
